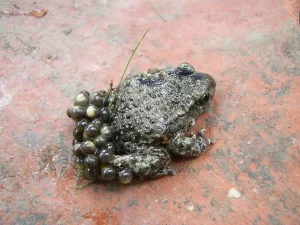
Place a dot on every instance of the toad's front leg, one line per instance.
(188, 146)
(147, 161)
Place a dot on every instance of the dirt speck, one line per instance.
(132, 202)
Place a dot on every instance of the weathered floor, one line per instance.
(252, 48)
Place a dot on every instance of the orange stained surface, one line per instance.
(251, 48)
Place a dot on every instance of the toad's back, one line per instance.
(151, 105)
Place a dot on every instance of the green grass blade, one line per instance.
(84, 185)
(133, 52)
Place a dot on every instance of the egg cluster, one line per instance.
(93, 143)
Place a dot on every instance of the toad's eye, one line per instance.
(185, 69)
(206, 97)
(203, 99)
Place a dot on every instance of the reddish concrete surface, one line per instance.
(293, 7)
(252, 48)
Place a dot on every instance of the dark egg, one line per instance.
(88, 147)
(104, 114)
(97, 122)
(91, 161)
(98, 98)
(81, 124)
(105, 156)
(107, 132)
(91, 130)
(81, 99)
(92, 173)
(100, 141)
(77, 150)
(108, 173)
(77, 112)
(125, 176)
(77, 134)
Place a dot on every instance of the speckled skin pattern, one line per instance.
(156, 108)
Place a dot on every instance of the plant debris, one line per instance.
(36, 13)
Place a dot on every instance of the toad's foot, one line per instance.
(147, 161)
(201, 135)
(164, 172)
(188, 146)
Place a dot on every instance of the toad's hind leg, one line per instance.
(188, 146)
(145, 161)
